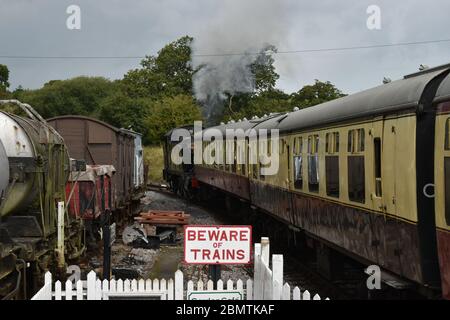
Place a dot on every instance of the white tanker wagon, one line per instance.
(34, 168)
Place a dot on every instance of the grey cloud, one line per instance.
(138, 27)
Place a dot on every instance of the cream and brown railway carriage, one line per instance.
(360, 173)
(442, 181)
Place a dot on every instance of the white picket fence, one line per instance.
(267, 284)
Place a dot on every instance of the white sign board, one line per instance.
(216, 295)
(217, 244)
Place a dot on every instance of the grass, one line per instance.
(153, 157)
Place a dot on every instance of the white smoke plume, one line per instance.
(240, 26)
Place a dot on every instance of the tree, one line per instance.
(168, 113)
(265, 95)
(81, 96)
(123, 111)
(264, 70)
(319, 92)
(167, 74)
(4, 84)
(4, 77)
(267, 102)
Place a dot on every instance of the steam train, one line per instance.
(366, 175)
(47, 198)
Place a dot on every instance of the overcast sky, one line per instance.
(140, 27)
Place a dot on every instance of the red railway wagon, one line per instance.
(90, 192)
(99, 143)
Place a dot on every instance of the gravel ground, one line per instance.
(164, 262)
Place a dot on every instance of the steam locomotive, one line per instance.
(366, 175)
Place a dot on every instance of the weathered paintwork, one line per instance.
(232, 183)
(99, 143)
(443, 238)
(391, 243)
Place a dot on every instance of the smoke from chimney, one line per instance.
(223, 52)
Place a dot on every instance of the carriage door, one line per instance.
(288, 155)
(376, 134)
(388, 160)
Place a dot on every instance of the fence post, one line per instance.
(148, 285)
(80, 290)
(220, 284)
(68, 290)
(249, 289)
(257, 283)
(277, 275)
(296, 294)
(210, 285)
(239, 285)
(286, 295)
(141, 285)
(58, 291)
(170, 289)
(178, 285)
(306, 295)
(265, 250)
(267, 283)
(163, 288)
(155, 285)
(91, 277)
(48, 286)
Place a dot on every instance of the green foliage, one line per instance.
(264, 71)
(154, 159)
(264, 103)
(167, 74)
(123, 111)
(168, 113)
(81, 96)
(317, 93)
(4, 77)
(274, 100)
(4, 84)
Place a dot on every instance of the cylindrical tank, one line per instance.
(19, 151)
(4, 174)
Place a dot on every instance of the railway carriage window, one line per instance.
(336, 141)
(313, 163)
(356, 169)
(298, 162)
(356, 179)
(360, 140)
(327, 142)
(447, 134)
(298, 172)
(356, 141)
(332, 164)
(332, 142)
(447, 189)
(377, 155)
(332, 175)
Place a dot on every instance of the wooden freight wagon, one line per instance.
(99, 143)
